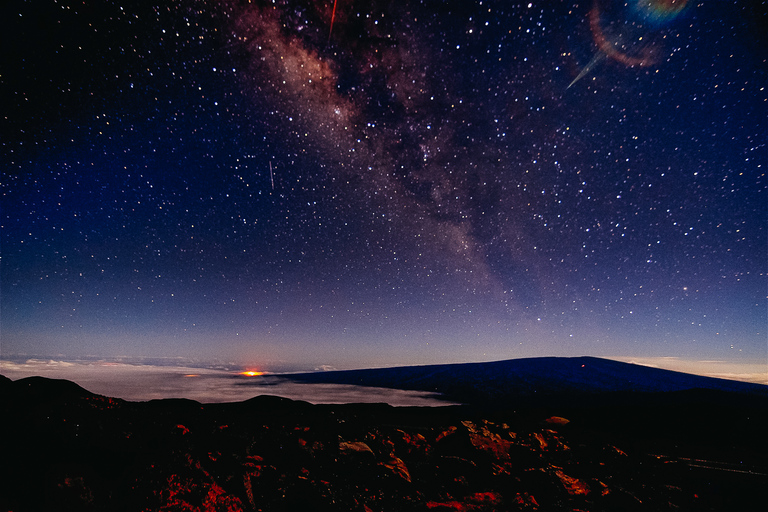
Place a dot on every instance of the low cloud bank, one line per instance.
(141, 382)
(754, 372)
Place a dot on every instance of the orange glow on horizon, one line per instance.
(251, 373)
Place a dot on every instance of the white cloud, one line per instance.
(139, 382)
(755, 372)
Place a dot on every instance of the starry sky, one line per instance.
(377, 182)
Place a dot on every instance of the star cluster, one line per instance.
(419, 182)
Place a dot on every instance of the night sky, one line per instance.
(384, 182)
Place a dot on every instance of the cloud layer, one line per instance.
(137, 382)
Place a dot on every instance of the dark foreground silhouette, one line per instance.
(64, 448)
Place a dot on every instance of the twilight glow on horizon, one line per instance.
(306, 184)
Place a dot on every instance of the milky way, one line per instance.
(418, 184)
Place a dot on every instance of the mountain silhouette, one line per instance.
(537, 381)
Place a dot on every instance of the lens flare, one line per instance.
(629, 33)
(659, 12)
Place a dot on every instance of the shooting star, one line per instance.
(592, 63)
(271, 175)
(333, 17)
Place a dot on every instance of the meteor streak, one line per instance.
(333, 17)
(592, 63)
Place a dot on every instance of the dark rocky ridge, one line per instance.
(64, 448)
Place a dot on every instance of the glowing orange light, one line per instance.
(251, 373)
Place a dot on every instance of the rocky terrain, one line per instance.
(64, 448)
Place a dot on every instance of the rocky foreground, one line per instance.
(64, 448)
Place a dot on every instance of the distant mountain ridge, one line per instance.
(530, 380)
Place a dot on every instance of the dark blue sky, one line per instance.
(419, 184)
